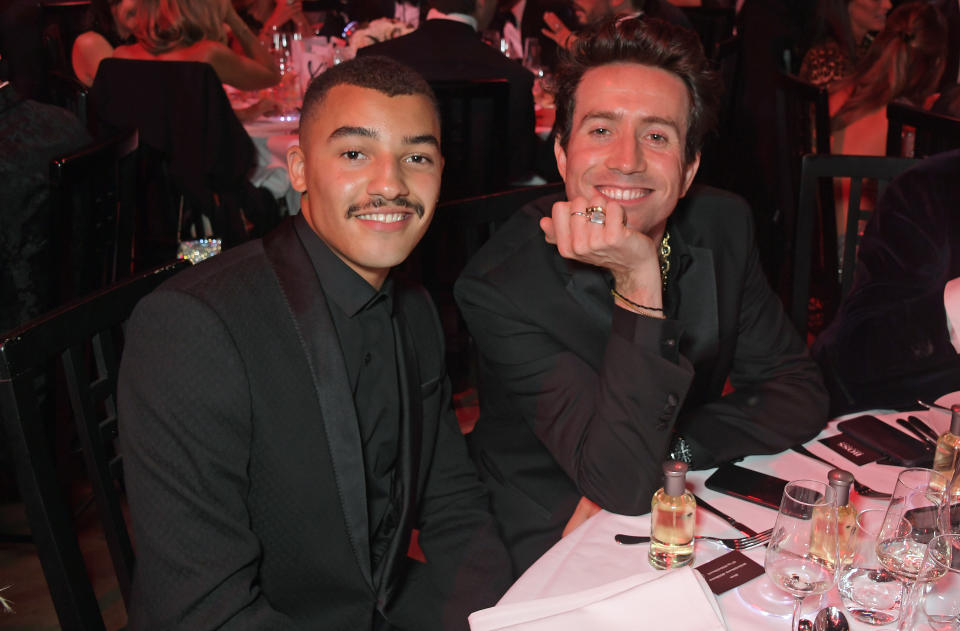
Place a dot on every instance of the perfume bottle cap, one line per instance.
(955, 419)
(841, 480)
(674, 478)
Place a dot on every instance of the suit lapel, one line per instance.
(697, 302)
(311, 315)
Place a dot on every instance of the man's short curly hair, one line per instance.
(650, 42)
(374, 72)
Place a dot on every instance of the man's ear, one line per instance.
(561, 156)
(689, 172)
(297, 168)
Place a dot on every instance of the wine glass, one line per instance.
(933, 603)
(914, 516)
(870, 593)
(801, 556)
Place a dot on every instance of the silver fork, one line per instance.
(730, 543)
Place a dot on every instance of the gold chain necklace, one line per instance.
(664, 256)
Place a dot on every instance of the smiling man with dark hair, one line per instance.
(284, 409)
(610, 320)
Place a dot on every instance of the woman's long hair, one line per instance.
(164, 25)
(905, 62)
(833, 22)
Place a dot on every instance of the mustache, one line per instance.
(380, 202)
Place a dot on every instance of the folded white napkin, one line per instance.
(678, 600)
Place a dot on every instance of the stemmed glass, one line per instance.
(801, 556)
(933, 603)
(914, 516)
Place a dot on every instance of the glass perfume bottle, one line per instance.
(672, 518)
(948, 446)
(841, 481)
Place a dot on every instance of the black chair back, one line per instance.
(802, 127)
(474, 119)
(87, 338)
(459, 229)
(94, 194)
(67, 92)
(818, 210)
(195, 154)
(932, 132)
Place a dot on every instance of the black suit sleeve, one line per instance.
(185, 425)
(778, 398)
(892, 325)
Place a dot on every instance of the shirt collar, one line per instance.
(463, 18)
(351, 293)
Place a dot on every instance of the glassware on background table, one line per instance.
(917, 501)
(868, 591)
(287, 93)
(531, 56)
(933, 601)
(807, 520)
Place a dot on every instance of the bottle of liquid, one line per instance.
(841, 481)
(948, 446)
(672, 518)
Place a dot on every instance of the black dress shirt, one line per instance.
(362, 317)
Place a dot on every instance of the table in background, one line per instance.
(589, 557)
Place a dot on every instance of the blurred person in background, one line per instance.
(265, 16)
(594, 11)
(110, 23)
(904, 64)
(845, 30)
(193, 30)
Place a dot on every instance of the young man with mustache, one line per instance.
(284, 409)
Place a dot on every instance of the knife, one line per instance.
(727, 518)
(916, 432)
(923, 427)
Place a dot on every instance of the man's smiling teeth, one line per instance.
(383, 217)
(621, 194)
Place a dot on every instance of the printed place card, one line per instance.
(851, 449)
(733, 569)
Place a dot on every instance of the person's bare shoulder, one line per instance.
(89, 49)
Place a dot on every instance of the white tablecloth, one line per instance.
(589, 557)
(272, 139)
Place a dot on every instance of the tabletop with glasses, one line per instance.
(898, 564)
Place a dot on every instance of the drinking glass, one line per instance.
(933, 602)
(869, 592)
(917, 501)
(531, 56)
(806, 527)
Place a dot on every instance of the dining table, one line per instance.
(588, 557)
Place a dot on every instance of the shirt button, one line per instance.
(367, 358)
(670, 341)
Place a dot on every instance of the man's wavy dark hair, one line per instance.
(650, 42)
(374, 72)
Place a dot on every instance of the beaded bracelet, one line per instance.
(635, 305)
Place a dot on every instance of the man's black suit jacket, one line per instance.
(888, 344)
(579, 398)
(446, 50)
(244, 465)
